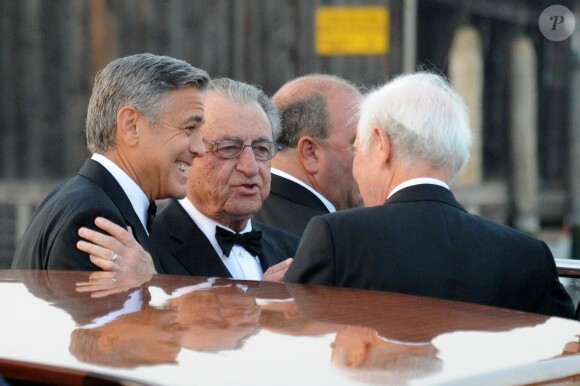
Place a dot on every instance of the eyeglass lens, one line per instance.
(231, 148)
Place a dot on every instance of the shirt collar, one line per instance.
(290, 177)
(134, 193)
(207, 225)
(417, 181)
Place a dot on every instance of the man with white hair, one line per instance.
(413, 237)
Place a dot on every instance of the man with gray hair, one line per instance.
(413, 237)
(210, 232)
(143, 130)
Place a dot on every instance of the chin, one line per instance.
(247, 211)
(176, 193)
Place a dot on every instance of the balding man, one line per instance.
(312, 174)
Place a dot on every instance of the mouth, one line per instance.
(182, 166)
(249, 188)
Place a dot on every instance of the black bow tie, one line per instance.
(151, 211)
(250, 241)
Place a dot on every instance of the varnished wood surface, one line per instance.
(173, 330)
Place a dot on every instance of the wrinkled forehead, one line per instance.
(224, 117)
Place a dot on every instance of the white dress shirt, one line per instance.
(134, 193)
(241, 264)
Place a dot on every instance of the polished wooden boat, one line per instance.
(105, 328)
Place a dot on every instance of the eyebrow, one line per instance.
(197, 118)
(259, 139)
(262, 139)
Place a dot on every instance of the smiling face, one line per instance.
(230, 191)
(166, 151)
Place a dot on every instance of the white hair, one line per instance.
(425, 119)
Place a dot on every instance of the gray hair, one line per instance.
(304, 112)
(141, 81)
(426, 120)
(244, 93)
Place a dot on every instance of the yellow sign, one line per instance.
(352, 30)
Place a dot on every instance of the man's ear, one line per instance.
(308, 153)
(383, 142)
(128, 126)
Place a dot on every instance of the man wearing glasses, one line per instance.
(210, 232)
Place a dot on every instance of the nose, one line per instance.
(247, 162)
(196, 146)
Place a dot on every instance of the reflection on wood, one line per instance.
(164, 329)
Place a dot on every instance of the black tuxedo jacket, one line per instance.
(422, 242)
(184, 249)
(289, 206)
(51, 237)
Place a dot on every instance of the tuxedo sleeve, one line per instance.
(315, 260)
(64, 254)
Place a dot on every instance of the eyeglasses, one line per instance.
(232, 147)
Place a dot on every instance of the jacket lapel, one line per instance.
(294, 192)
(97, 173)
(190, 247)
(270, 250)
